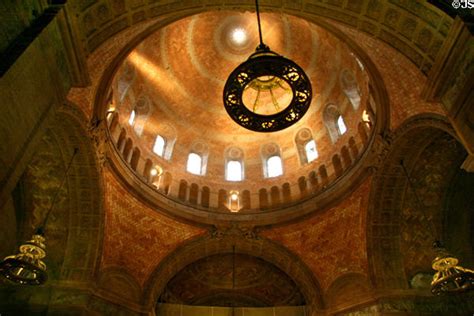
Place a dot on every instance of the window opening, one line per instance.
(159, 147)
(194, 164)
(131, 119)
(311, 151)
(274, 167)
(234, 171)
(341, 125)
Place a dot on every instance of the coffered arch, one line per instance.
(394, 215)
(74, 228)
(415, 28)
(87, 214)
(246, 243)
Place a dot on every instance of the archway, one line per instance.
(74, 228)
(247, 245)
(401, 228)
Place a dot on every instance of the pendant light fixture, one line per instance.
(449, 277)
(27, 267)
(281, 79)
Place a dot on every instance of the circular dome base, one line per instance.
(173, 81)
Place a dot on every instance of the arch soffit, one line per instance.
(364, 17)
(68, 129)
(382, 229)
(217, 243)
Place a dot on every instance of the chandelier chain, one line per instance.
(40, 229)
(421, 205)
(259, 25)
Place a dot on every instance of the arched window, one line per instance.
(197, 159)
(194, 164)
(234, 171)
(350, 87)
(306, 146)
(341, 126)
(164, 141)
(125, 80)
(234, 164)
(159, 146)
(142, 112)
(271, 160)
(131, 119)
(311, 151)
(274, 167)
(334, 122)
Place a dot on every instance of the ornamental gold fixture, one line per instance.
(449, 276)
(27, 267)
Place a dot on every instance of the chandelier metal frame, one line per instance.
(266, 63)
(449, 277)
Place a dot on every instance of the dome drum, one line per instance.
(185, 106)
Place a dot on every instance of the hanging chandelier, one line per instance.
(449, 276)
(27, 267)
(267, 92)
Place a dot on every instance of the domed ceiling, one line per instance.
(173, 82)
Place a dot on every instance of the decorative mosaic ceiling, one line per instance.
(171, 85)
(209, 282)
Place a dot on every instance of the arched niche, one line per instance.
(74, 230)
(222, 243)
(232, 280)
(402, 224)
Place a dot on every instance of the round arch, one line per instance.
(245, 243)
(386, 267)
(74, 230)
(85, 205)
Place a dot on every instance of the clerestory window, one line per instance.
(194, 164)
(274, 167)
